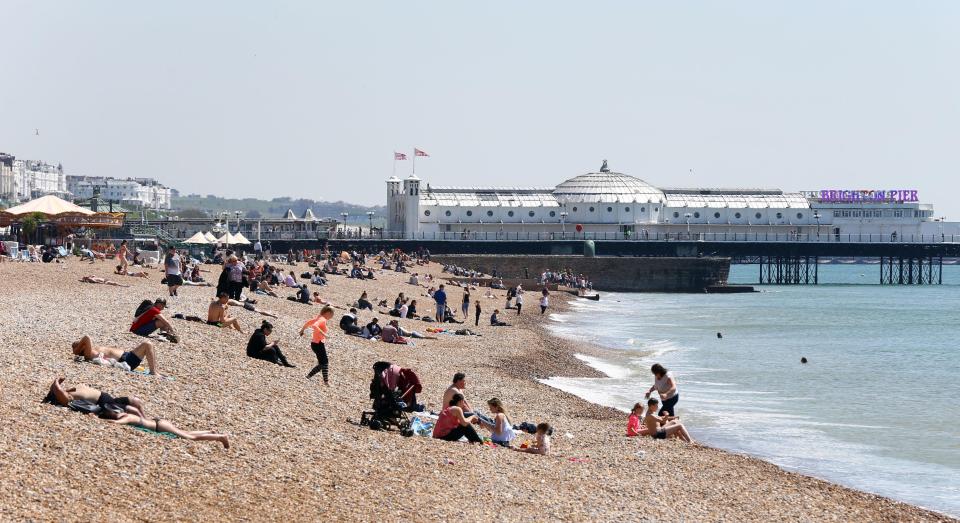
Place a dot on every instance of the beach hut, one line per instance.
(197, 239)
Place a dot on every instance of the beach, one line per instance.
(297, 452)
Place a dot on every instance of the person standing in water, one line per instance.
(665, 385)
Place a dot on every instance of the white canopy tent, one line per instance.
(197, 239)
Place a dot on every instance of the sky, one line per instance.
(311, 99)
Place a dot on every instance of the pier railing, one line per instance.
(749, 237)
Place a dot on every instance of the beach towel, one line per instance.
(162, 434)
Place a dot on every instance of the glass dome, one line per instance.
(607, 187)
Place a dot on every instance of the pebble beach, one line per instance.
(296, 450)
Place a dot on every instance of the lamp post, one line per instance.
(688, 216)
(563, 223)
(816, 216)
(344, 216)
(370, 217)
(237, 214)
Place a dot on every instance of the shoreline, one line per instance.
(593, 350)
(295, 455)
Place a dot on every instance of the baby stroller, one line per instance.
(388, 409)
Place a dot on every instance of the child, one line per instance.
(663, 427)
(319, 327)
(634, 427)
(542, 444)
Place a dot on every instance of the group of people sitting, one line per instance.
(659, 422)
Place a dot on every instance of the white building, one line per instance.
(607, 204)
(136, 192)
(6, 177)
(32, 179)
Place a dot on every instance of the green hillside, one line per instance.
(193, 205)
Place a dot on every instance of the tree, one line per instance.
(254, 214)
(188, 214)
(29, 225)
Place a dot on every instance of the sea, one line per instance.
(876, 408)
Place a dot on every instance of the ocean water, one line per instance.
(877, 407)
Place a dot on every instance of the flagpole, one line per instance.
(394, 175)
(414, 160)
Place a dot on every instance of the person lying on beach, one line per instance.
(217, 313)
(663, 427)
(410, 333)
(634, 425)
(541, 443)
(124, 272)
(97, 279)
(453, 423)
(84, 347)
(152, 319)
(129, 411)
(390, 334)
(259, 348)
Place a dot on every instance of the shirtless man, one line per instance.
(217, 313)
(84, 347)
(663, 427)
(97, 279)
(133, 414)
(457, 387)
(62, 395)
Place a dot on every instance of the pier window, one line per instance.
(447, 213)
(676, 215)
(779, 215)
(574, 209)
(696, 214)
(737, 216)
(609, 209)
(626, 209)
(857, 214)
(489, 213)
(643, 209)
(758, 216)
(426, 213)
(531, 214)
(799, 215)
(510, 214)
(553, 213)
(592, 209)
(469, 213)
(716, 215)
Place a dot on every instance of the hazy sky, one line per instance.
(310, 99)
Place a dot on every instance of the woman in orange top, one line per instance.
(319, 327)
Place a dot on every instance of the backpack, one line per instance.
(142, 308)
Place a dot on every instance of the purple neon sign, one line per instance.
(868, 195)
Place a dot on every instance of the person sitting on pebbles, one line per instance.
(152, 319)
(453, 423)
(84, 347)
(634, 425)
(663, 427)
(217, 313)
(541, 445)
(127, 411)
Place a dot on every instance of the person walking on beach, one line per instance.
(665, 385)
(465, 305)
(172, 269)
(519, 302)
(319, 327)
(122, 256)
(440, 296)
(544, 300)
(476, 320)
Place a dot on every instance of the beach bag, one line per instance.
(142, 308)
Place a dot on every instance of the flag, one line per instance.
(418, 152)
(399, 156)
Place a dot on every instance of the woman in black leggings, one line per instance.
(319, 327)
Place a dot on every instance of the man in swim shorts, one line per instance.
(663, 427)
(84, 347)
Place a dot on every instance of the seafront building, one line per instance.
(616, 205)
(133, 192)
(26, 179)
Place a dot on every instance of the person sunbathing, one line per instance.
(124, 272)
(60, 394)
(663, 427)
(84, 347)
(104, 281)
(217, 313)
(132, 413)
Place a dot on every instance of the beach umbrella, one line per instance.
(210, 237)
(197, 239)
(48, 205)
